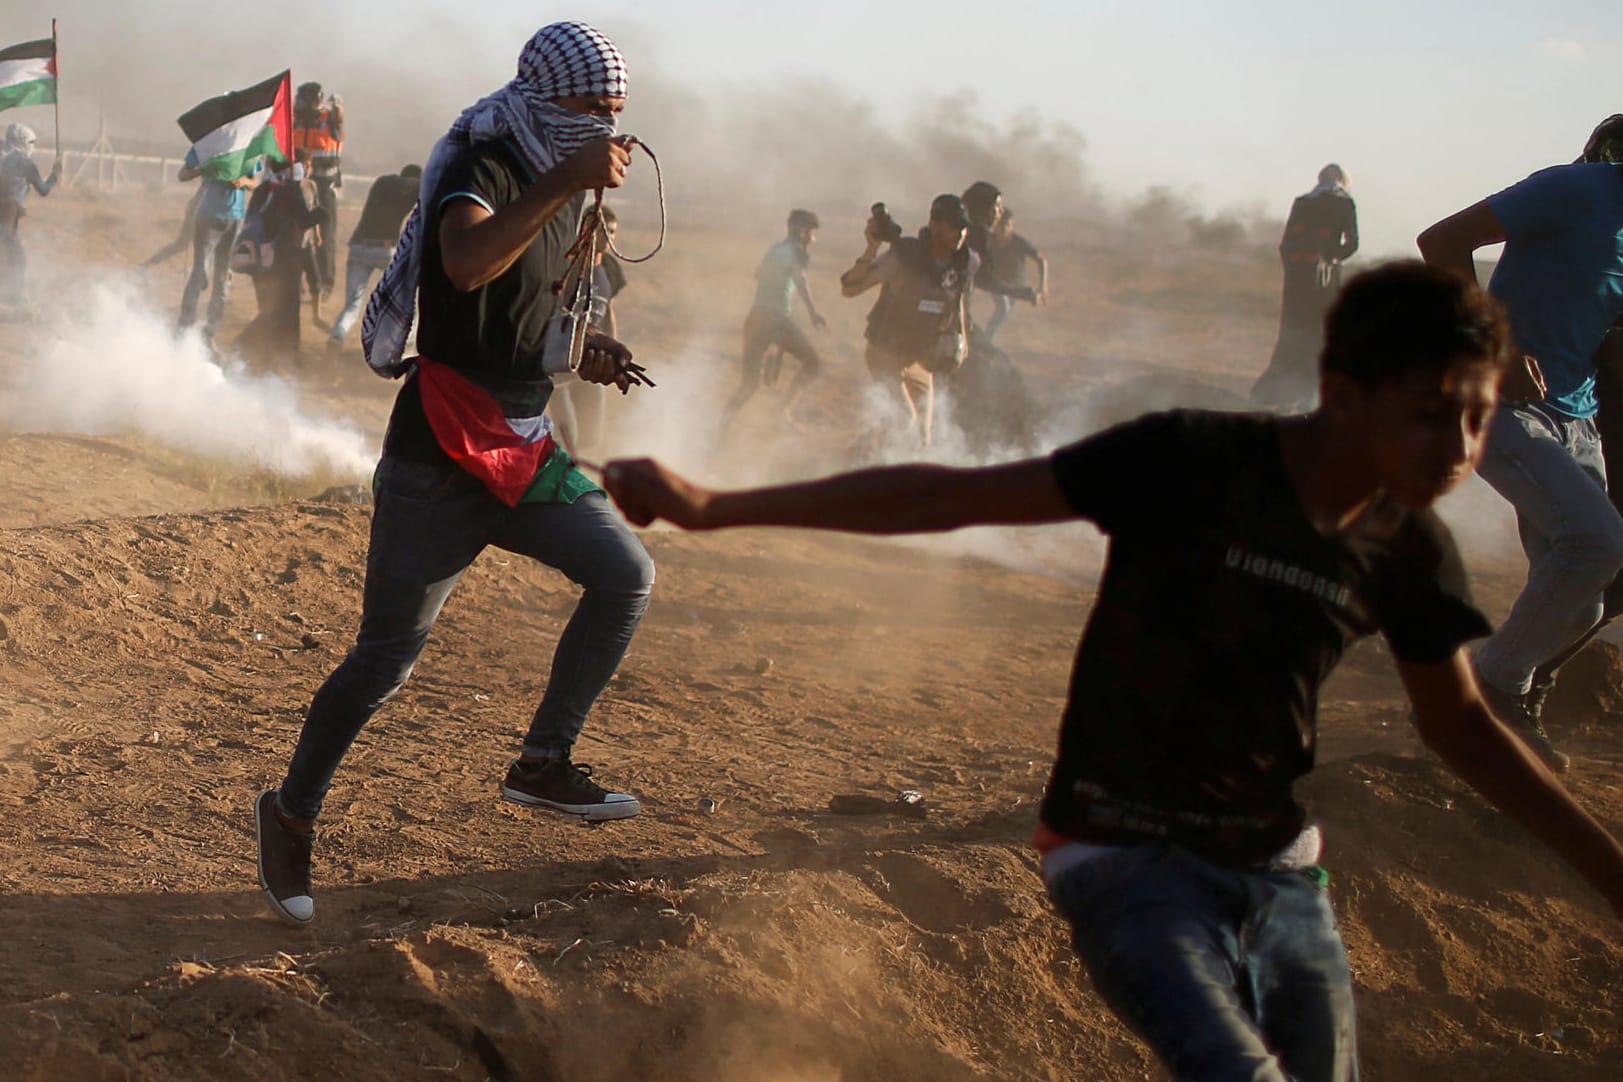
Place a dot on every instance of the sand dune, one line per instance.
(164, 618)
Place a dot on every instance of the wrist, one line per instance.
(706, 515)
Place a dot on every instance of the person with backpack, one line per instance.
(470, 459)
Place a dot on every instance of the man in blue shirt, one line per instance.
(221, 208)
(779, 279)
(1561, 282)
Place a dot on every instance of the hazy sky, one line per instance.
(1429, 104)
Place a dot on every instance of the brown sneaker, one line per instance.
(284, 863)
(566, 787)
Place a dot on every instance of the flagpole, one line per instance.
(56, 98)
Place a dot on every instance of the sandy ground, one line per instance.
(165, 614)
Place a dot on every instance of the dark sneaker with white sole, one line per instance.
(284, 863)
(566, 787)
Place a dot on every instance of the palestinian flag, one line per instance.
(230, 131)
(28, 74)
(504, 445)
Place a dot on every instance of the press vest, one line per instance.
(320, 138)
(921, 302)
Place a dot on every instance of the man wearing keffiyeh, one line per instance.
(469, 459)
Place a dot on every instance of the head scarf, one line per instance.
(1332, 181)
(20, 137)
(562, 60)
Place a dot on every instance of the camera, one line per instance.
(886, 228)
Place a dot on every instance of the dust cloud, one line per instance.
(733, 163)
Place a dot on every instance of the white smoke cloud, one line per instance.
(111, 364)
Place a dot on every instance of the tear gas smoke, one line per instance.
(106, 363)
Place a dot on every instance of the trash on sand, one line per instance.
(909, 803)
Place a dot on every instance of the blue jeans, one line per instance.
(212, 241)
(1001, 307)
(364, 261)
(1549, 467)
(1229, 976)
(429, 524)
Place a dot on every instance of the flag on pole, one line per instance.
(230, 131)
(28, 74)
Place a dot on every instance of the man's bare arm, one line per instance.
(1455, 723)
(887, 500)
(861, 277)
(1452, 242)
(478, 247)
(804, 289)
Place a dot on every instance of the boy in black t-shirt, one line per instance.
(1247, 553)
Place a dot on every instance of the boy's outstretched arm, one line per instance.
(1455, 723)
(889, 499)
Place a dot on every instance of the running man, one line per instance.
(468, 459)
(1247, 553)
(919, 327)
(779, 279)
(1010, 252)
(371, 246)
(1560, 279)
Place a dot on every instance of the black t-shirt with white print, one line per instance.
(1220, 614)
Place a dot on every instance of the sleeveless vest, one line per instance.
(321, 141)
(919, 304)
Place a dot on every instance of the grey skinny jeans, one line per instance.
(1549, 467)
(429, 524)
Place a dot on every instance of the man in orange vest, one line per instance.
(318, 126)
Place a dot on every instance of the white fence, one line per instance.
(108, 170)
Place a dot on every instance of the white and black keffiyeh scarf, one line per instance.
(562, 60)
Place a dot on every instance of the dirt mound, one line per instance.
(56, 478)
(159, 667)
(1587, 699)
